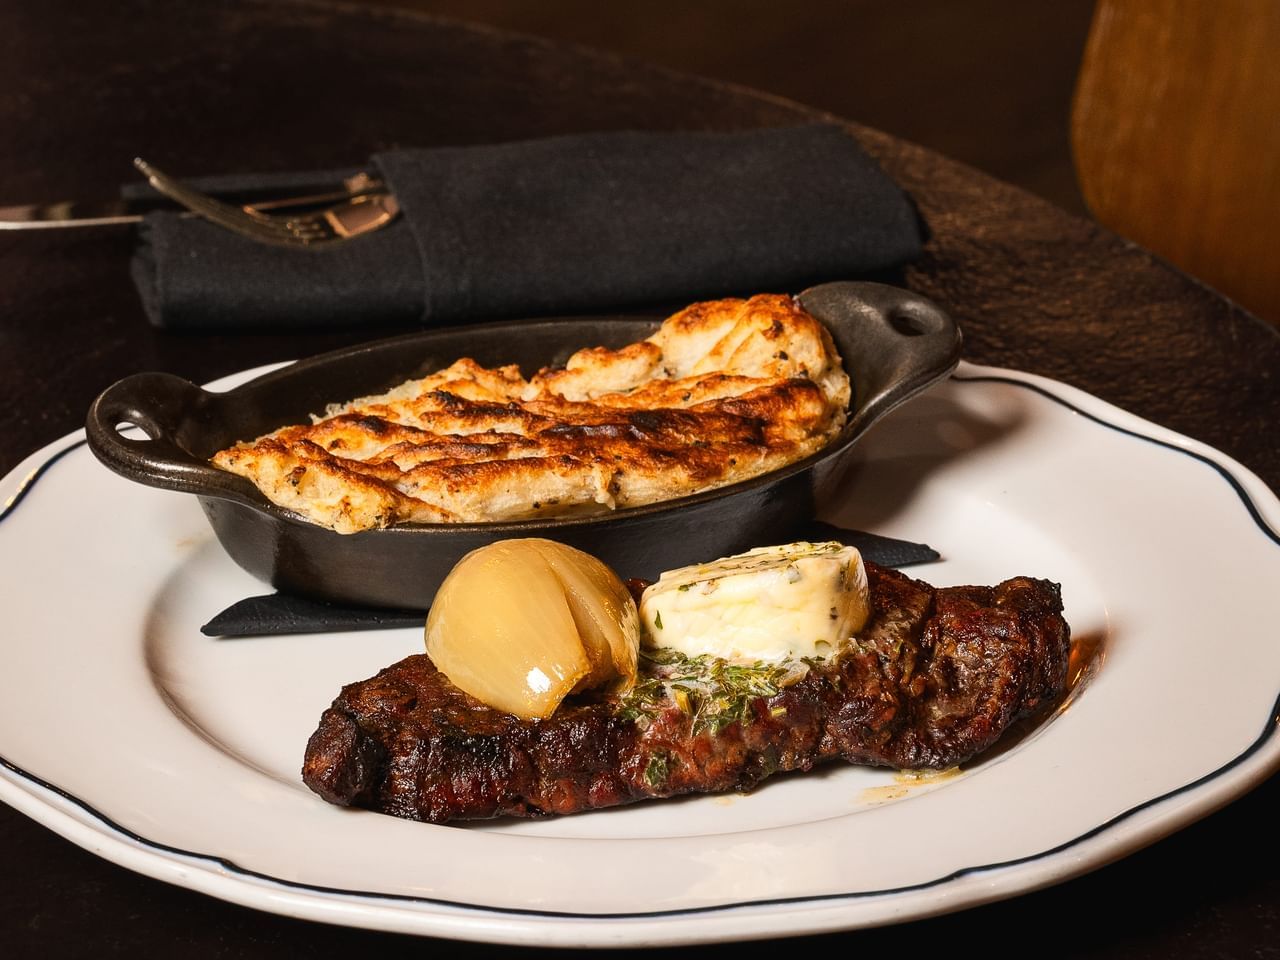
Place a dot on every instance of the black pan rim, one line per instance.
(278, 377)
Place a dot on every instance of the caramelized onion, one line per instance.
(521, 624)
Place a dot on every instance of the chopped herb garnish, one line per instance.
(657, 770)
(657, 619)
(712, 692)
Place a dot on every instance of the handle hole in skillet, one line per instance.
(908, 324)
(132, 431)
(905, 324)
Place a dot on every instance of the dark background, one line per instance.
(84, 86)
(986, 82)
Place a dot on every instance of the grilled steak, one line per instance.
(935, 678)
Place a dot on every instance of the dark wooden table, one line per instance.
(271, 86)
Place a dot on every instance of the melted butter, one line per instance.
(905, 783)
(885, 794)
(917, 777)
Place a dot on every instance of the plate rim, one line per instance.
(94, 830)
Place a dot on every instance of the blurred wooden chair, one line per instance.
(1176, 136)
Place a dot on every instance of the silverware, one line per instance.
(131, 210)
(346, 220)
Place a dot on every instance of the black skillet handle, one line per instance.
(895, 343)
(165, 408)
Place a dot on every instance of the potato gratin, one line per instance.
(723, 391)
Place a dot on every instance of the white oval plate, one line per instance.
(127, 731)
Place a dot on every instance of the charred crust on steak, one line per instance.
(936, 677)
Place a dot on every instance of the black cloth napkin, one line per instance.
(282, 613)
(558, 225)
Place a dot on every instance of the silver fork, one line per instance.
(369, 207)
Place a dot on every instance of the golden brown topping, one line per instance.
(723, 391)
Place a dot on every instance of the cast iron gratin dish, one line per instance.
(894, 344)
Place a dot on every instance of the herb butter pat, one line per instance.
(772, 603)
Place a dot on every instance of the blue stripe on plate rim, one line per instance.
(1268, 733)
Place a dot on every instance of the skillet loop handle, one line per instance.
(896, 343)
(166, 408)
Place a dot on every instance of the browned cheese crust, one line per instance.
(935, 679)
(722, 392)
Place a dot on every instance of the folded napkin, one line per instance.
(558, 225)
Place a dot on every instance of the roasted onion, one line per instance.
(521, 624)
